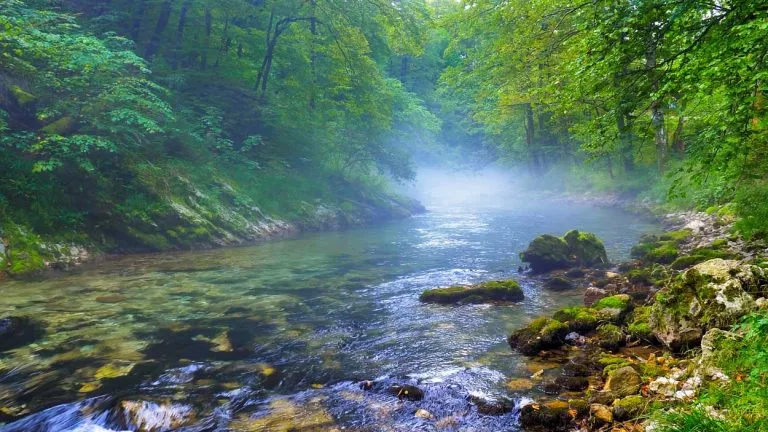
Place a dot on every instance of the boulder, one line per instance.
(610, 337)
(593, 294)
(614, 307)
(624, 382)
(572, 383)
(715, 345)
(713, 294)
(492, 291)
(628, 408)
(492, 407)
(600, 415)
(578, 318)
(552, 416)
(558, 283)
(407, 392)
(541, 333)
(638, 326)
(18, 331)
(575, 249)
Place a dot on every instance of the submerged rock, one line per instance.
(547, 252)
(558, 283)
(18, 331)
(147, 416)
(492, 291)
(407, 392)
(541, 333)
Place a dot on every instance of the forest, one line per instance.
(136, 126)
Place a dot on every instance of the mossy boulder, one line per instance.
(624, 381)
(700, 255)
(638, 326)
(18, 331)
(492, 291)
(542, 333)
(550, 416)
(614, 307)
(578, 318)
(610, 337)
(547, 252)
(629, 407)
(712, 294)
(21, 96)
(662, 249)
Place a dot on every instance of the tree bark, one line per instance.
(530, 139)
(180, 32)
(157, 34)
(141, 9)
(657, 109)
(206, 46)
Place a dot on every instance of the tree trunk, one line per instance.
(180, 32)
(404, 66)
(530, 139)
(313, 54)
(657, 110)
(206, 46)
(157, 34)
(141, 8)
(267, 54)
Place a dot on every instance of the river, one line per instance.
(280, 335)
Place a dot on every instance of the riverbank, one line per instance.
(679, 349)
(193, 214)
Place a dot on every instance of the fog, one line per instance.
(490, 187)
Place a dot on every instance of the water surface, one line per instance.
(252, 338)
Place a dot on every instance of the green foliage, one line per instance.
(508, 290)
(752, 207)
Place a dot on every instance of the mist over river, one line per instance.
(280, 335)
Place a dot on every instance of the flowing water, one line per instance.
(278, 336)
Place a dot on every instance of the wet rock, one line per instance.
(573, 369)
(624, 382)
(576, 339)
(600, 415)
(547, 252)
(638, 326)
(592, 295)
(519, 384)
(407, 392)
(579, 406)
(572, 383)
(284, 415)
(551, 388)
(610, 337)
(541, 333)
(558, 283)
(424, 414)
(492, 407)
(551, 416)
(492, 291)
(713, 294)
(147, 416)
(575, 273)
(628, 408)
(578, 318)
(18, 331)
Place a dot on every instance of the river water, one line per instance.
(277, 337)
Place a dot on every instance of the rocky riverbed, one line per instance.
(649, 332)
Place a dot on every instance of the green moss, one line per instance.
(554, 329)
(665, 253)
(58, 127)
(22, 97)
(720, 243)
(547, 252)
(676, 236)
(24, 253)
(610, 337)
(638, 323)
(508, 290)
(619, 301)
(541, 333)
(639, 276)
(629, 407)
(611, 362)
(586, 247)
(578, 318)
(700, 255)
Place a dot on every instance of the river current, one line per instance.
(279, 336)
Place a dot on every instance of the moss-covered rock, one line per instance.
(547, 252)
(662, 249)
(541, 333)
(700, 255)
(492, 291)
(629, 407)
(624, 381)
(21, 96)
(638, 326)
(578, 318)
(712, 294)
(558, 283)
(551, 416)
(614, 307)
(610, 337)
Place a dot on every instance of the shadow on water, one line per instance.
(281, 335)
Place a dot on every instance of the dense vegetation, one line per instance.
(126, 119)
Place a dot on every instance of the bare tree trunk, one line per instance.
(206, 46)
(157, 34)
(530, 139)
(180, 33)
(313, 54)
(268, 44)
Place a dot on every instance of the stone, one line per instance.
(492, 407)
(578, 318)
(628, 408)
(624, 381)
(519, 384)
(610, 337)
(593, 294)
(150, 416)
(553, 416)
(663, 386)
(572, 383)
(407, 392)
(558, 283)
(615, 307)
(762, 303)
(713, 345)
(547, 252)
(600, 415)
(541, 333)
(492, 291)
(423, 414)
(713, 294)
(18, 331)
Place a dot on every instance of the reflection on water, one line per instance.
(246, 338)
